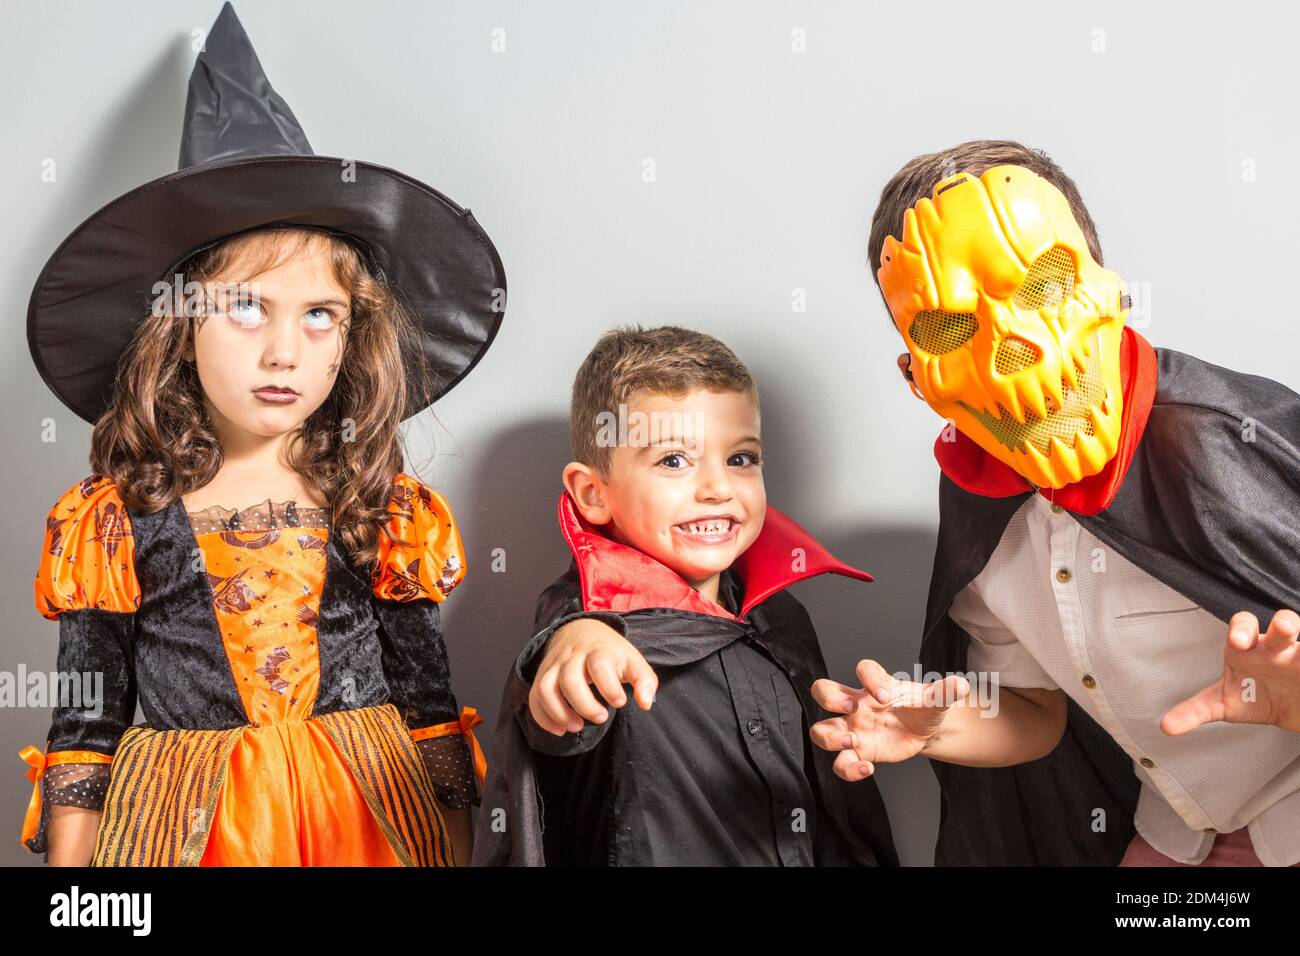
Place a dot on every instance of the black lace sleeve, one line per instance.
(69, 785)
(451, 768)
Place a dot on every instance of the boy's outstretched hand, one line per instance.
(1260, 683)
(887, 720)
(579, 654)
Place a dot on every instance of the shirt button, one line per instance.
(754, 726)
(1063, 575)
(1056, 509)
(1147, 762)
(1089, 681)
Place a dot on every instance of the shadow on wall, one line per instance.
(513, 548)
(882, 621)
(510, 520)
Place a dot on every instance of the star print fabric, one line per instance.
(265, 571)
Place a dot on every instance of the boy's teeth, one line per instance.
(708, 527)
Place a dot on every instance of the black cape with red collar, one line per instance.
(1204, 495)
(671, 624)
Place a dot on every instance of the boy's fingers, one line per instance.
(876, 681)
(538, 706)
(883, 687)
(1201, 708)
(834, 696)
(548, 689)
(1282, 631)
(831, 734)
(849, 767)
(600, 668)
(1243, 630)
(573, 686)
(644, 681)
(644, 691)
(944, 693)
(539, 715)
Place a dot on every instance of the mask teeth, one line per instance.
(1095, 416)
(1070, 369)
(1040, 461)
(1090, 451)
(1009, 402)
(1054, 392)
(1063, 461)
(1032, 396)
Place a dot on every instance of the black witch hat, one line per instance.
(245, 163)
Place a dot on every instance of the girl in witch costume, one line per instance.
(248, 562)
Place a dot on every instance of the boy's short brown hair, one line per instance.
(624, 361)
(919, 176)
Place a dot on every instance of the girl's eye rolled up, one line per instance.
(322, 320)
(246, 313)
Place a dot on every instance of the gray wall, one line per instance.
(1176, 120)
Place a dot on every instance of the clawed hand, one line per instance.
(1260, 683)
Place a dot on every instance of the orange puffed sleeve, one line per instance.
(421, 556)
(88, 557)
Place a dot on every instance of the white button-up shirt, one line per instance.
(1057, 608)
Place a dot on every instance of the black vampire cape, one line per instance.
(671, 625)
(1209, 505)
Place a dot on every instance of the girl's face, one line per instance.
(270, 347)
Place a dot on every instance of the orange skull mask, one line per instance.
(1013, 327)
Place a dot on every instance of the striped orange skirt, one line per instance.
(341, 789)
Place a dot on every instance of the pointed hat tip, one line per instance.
(227, 44)
(227, 24)
(231, 109)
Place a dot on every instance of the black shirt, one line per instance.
(717, 772)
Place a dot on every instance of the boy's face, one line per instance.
(281, 328)
(687, 486)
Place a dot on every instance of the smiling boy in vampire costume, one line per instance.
(676, 551)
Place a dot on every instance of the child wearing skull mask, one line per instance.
(1105, 524)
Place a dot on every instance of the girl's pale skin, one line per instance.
(293, 338)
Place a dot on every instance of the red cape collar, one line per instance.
(619, 578)
(976, 471)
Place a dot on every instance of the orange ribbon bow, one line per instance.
(40, 762)
(469, 719)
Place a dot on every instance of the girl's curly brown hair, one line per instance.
(156, 440)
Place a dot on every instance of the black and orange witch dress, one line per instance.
(296, 712)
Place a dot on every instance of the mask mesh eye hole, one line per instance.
(1015, 355)
(937, 332)
(1050, 281)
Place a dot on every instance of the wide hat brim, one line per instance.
(99, 284)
